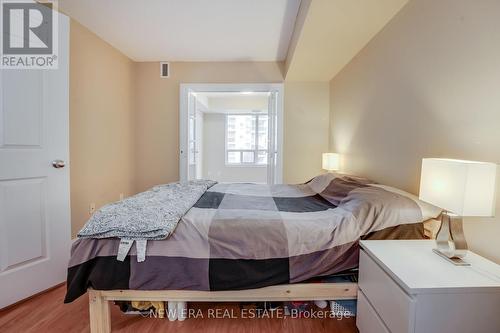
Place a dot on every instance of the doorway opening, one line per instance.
(231, 132)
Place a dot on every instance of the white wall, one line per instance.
(426, 86)
(213, 155)
(239, 102)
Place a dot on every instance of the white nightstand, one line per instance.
(405, 287)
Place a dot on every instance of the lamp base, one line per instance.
(451, 229)
(457, 261)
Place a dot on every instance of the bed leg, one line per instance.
(100, 318)
(181, 311)
(172, 310)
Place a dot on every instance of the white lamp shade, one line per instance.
(466, 188)
(331, 161)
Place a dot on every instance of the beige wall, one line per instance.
(157, 109)
(426, 86)
(125, 120)
(332, 33)
(101, 124)
(306, 126)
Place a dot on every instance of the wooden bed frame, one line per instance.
(100, 318)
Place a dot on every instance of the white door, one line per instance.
(198, 144)
(272, 156)
(195, 139)
(34, 195)
(193, 144)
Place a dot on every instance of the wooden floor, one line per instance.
(47, 313)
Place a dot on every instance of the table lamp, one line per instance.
(331, 161)
(460, 188)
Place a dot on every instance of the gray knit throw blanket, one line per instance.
(150, 215)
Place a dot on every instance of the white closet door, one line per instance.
(272, 156)
(35, 223)
(194, 140)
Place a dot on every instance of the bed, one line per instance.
(251, 242)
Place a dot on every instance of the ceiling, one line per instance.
(332, 32)
(190, 30)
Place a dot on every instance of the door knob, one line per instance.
(58, 164)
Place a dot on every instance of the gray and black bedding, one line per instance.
(244, 236)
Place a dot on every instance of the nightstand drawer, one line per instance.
(367, 319)
(391, 303)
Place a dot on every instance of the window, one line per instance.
(246, 139)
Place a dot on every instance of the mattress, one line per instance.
(245, 236)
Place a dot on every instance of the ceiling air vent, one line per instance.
(164, 69)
